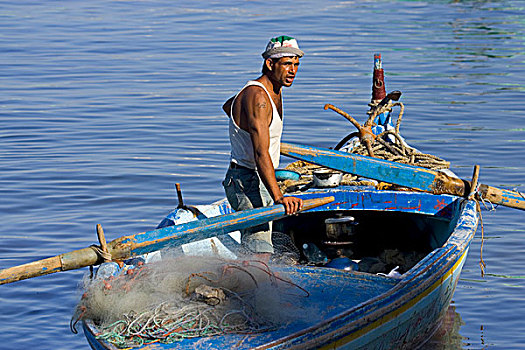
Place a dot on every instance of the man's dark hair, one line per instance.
(264, 68)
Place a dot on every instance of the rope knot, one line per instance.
(105, 256)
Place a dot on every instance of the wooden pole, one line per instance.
(106, 257)
(133, 245)
(474, 183)
(179, 195)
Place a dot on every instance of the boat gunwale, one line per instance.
(452, 253)
(407, 282)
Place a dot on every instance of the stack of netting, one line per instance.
(187, 298)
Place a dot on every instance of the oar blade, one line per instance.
(372, 168)
(400, 174)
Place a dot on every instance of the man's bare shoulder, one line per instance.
(255, 96)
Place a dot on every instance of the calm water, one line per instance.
(105, 105)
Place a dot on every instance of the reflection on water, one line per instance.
(447, 336)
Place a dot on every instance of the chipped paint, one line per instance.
(359, 310)
(400, 174)
(150, 241)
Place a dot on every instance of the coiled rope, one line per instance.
(390, 148)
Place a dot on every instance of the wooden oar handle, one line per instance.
(400, 174)
(69, 261)
(316, 202)
(140, 243)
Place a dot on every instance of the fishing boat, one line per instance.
(356, 309)
(371, 261)
(378, 264)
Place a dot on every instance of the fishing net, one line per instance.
(188, 297)
(286, 252)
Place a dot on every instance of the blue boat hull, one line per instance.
(361, 310)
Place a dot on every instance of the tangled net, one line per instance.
(172, 322)
(187, 297)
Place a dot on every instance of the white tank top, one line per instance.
(241, 142)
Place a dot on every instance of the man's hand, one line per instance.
(291, 204)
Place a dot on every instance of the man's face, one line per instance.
(284, 70)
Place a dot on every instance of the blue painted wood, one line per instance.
(150, 241)
(401, 174)
(154, 240)
(146, 242)
(358, 310)
(363, 198)
(350, 197)
(372, 168)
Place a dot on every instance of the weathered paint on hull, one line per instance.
(411, 325)
(400, 317)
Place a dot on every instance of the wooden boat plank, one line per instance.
(350, 198)
(401, 174)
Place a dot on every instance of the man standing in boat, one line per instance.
(255, 129)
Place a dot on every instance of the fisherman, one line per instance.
(255, 128)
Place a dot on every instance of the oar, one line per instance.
(400, 174)
(129, 246)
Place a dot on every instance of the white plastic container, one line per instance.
(327, 178)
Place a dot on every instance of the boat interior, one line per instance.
(366, 241)
(363, 254)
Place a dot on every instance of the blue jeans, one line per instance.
(245, 190)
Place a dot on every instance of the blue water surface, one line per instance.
(105, 105)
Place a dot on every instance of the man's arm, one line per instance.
(258, 112)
